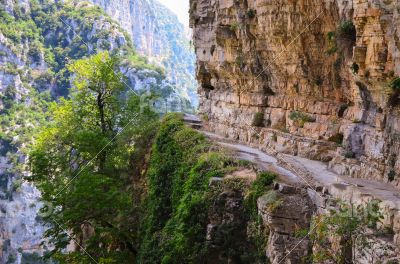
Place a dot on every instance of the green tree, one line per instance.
(82, 163)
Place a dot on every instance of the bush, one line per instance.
(331, 40)
(258, 188)
(395, 84)
(258, 119)
(391, 175)
(337, 138)
(347, 30)
(235, 26)
(251, 13)
(301, 118)
(179, 196)
(349, 154)
(355, 68)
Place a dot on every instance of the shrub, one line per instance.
(331, 40)
(258, 119)
(391, 175)
(353, 226)
(251, 13)
(349, 154)
(235, 26)
(179, 196)
(355, 68)
(347, 30)
(331, 50)
(301, 118)
(395, 84)
(258, 188)
(337, 138)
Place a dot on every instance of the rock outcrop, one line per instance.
(308, 78)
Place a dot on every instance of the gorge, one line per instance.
(293, 155)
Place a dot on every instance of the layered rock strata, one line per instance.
(309, 78)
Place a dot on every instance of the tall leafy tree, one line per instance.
(83, 163)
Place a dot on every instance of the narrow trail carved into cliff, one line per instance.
(296, 170)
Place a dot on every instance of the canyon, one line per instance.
(292, 157)
(157, 34)
(321, 90)
(311, 83)
(38, 40)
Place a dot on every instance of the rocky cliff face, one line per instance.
(38, 40)
(157, 33)
(309, 78)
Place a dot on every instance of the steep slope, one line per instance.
(157, 33)
(318, 79)
(38, 39)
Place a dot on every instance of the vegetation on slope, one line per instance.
(180, 199)
(87, 184)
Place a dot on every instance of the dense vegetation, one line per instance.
(38, 44)
(180, 199)
(345, 234)
(81, 161)
(156, 214)
(180, 168)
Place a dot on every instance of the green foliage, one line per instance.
(235, 26)
(140, 62)
(337, 138)
(349, 154)
(331, 40)
(258, 119)
(179, 196)
(301, 118)
(349, 223)
(175, 152)
(355, 68)
(394, 98)
(259, 187)
(391, 175)
(78, 151)
(347, 30)
(395, 84)
(251, 13)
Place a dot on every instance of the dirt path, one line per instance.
(315, 175)
(301, 172)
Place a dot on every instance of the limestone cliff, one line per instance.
(309, 78)
(157, 33)
(37, 41)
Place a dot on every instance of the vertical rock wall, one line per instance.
(306, 77)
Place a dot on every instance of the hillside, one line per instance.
(157, 33)
(38, 40)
